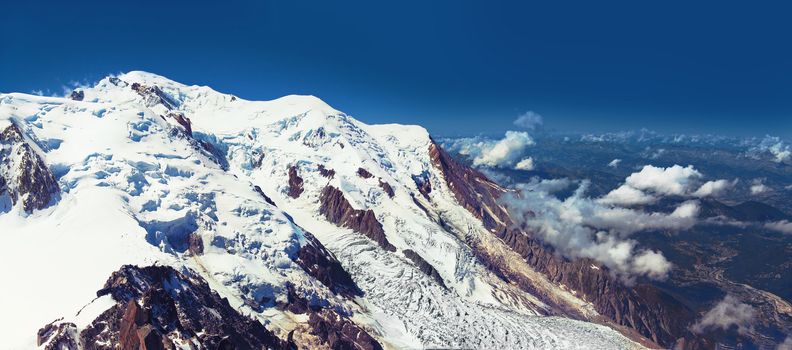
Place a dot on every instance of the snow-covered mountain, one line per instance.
(145, 212)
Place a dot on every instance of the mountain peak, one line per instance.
(147, 78)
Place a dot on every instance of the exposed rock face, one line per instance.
(23, 174)
(644, 308)
(58, 336)
(195, 244)
(364, 173)
(329, 328)
(153, 96)
(158, 307)
(117, 82)
(339, 332)
(183, 121)
(328, 173)
(424, 266)
(323, 265)
(424, 186)
(184, 131)
(77, 95)
(295, 183)
(387, 188)
(338, 211)
(261, 193)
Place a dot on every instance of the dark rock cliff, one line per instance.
(424, 266)
(338, 211)
(387, 188)
(158, 307)
(364, 173)
(328, 173)
(330, 328)
(318, 262)
(295, 183)
(23, 174)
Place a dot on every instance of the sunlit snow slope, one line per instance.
(150, 171)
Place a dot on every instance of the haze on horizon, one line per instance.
(455, 68)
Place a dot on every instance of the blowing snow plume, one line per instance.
(583, 227)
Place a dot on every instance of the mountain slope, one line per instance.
(309, 222)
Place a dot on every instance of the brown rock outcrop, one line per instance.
(23, 174)
(295, 183)
(318, 262)
(387, 188)
(338, 211)
(364, 173)
(157, 306)
(183, 121)
(424, 266)
(328, 173)
(340, 332)
(153, 95)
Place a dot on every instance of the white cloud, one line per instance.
(582, 227)
(625, 221)
(758, 187)
(777, 148)
(626, 195)
(674, 180)
(548, 185)
(651, 182)
(783, 226)
(652, 264)
(529, 120)
(494, 153)
(614, 163)
(525, 164)
(727, 313)
(713, 188)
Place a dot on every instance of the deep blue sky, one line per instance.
(455, 67)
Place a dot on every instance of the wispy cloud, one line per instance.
(783, 226)
(727, 313)
(529, 120)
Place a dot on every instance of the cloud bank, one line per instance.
(725, 314)
(777, 148)
(758, 187)
(650, 183)
(675, 180)
(507, 152)
(782, 226)
(713, 188)
(583, 227)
